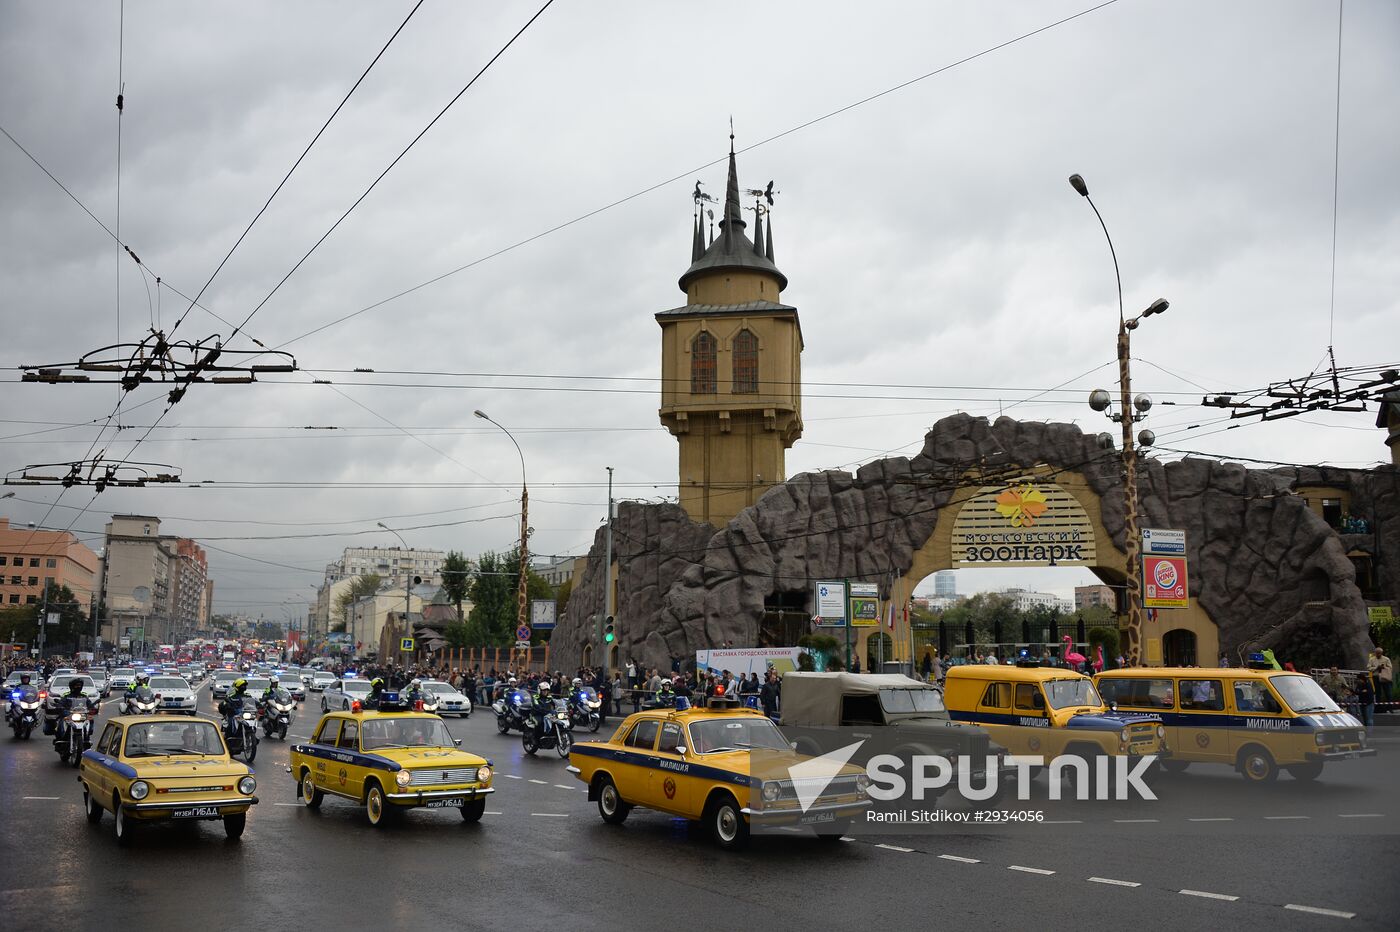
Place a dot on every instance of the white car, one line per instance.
(104, 685)
(58, 689)
(121, 678)
(342, 694)
(175, 694)
(449, 700)
(321, 679)
(223, 681)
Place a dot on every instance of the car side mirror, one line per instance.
(793, 745)
(1113, 706)
(457, 741)
(680, 749)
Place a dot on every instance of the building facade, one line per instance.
(156, 587)
(389, 563)
(30, 559)
(1025, 600)
(945, 584)
(1087, 596)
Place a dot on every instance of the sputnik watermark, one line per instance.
(1098, 778)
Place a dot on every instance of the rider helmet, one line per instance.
(24, 679)
(544, 686)
(143, 678)
(416, 684)
(240, 683)
(75, 685)
(273, 682)
(577, 682)
(511, 681)
(377, 683)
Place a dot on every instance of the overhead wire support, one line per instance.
(98, 472)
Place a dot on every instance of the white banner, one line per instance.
(742, 661)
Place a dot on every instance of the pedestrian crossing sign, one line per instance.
(406, 644)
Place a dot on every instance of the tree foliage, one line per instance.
(359, 588)
(20, 624)
(495, 609)
(456, 580)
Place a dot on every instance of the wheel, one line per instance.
(1307, 772)
(502, 725)
(309, 794)
(91, 808)
(323, 705)
(473, 810)
(726, 823)
(123, 826)
(376, 806)
(250, 747)
(595, 724)
(1171, 765)
(610, 805)
(529, 742)
(564, 744)
(234, 825)
(1257, 765)
(345, 705)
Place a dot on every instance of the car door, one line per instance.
(636, 764)
(351, 774)
(96, 776)
(1256, 715)
(668, 785)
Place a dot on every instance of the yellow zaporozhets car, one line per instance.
(389, 762)
(147, 768)
(698, 763)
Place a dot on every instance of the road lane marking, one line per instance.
(561, 786)
(1361, 815)
(1066, 822)
(1210, 896)
(550, 815)
(1318, 911)
(847, 838)
(1116, 883)
(42, 797)
(1210, 820)
(895, 848)
(1134, 821)
(960, 860)
(511, 775)
(1284, 818)
(292, 805)
(1029, 870)
(540, 782)
(492, 812)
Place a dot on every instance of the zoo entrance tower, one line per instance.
(731, 362)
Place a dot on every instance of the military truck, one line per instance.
(891, 714)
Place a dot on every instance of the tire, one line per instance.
(250, 748)
(473, 810)
(595, 724)
(377, 808)
(310, 796)
(565, 744)
(1171, 765)
(123, 826)
(529, 742)
(323, 705)
(1307, 772)
(610, 805)
(90, 807)
(1256, 764)
(234, 825)
(726, 823)
(502, 725)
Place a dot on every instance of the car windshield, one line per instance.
(324, 677)
(124, 671)
(730, 734)
(1063, 694)
(62, 682)
(911, 700)
(164, 739)
(404, 732)
(355, 687)
(225, 678)
(1303, 694)
(440, 689)
(256, 685)
(168, 682)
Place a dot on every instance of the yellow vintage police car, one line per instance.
(1048, 711)
(390, 761)
(147, 768)
(1256, 720)
(723, 766)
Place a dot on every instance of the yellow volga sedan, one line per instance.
(147, 768)
(390, 761)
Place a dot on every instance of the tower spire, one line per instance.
(697, 245)
(757, 228)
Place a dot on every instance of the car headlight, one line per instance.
(403, 778)
(247, 785)
(1320, 738)
(1161, 731)
(483, 774)
(1124, 735)
(863, 783)
(771, 791)
(140, 790)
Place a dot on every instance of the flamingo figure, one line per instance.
(1071, 657)
(1098, 658)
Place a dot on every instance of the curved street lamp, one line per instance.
(407, 575)
(1100, 400)
(520, 597)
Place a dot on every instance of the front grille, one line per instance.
(425, 776)
(839, 786)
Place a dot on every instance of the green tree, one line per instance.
(492, 619)
(359, 588)
(456, 580)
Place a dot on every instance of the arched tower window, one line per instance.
(702, 364)
(745, 363)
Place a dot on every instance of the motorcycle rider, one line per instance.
(232, 703)
(542, 705)
(416, 693)
(14, 694)
(376, 693)
(69, 701)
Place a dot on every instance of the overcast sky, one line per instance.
(929, 236)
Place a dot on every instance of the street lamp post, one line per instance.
(1100, 400)
(407, 574)
(520, 613)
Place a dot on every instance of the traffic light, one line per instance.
(609, 629)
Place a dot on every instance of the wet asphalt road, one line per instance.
(542, 858)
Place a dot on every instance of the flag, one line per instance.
(889, 614)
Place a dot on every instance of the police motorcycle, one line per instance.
(585, 708)
(511, 709)
(418, 699)
(547, 725)
(73, 731)
(140, 701)
(22, 711)
(275, 712)
(240, 728)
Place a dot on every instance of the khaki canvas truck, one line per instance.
(888, 713)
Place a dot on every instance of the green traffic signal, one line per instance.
(609, 632)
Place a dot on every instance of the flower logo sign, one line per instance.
(1021, 506)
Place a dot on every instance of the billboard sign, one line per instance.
(742, 661)
(865, 605)
(1164, 582)
(830, 602)
(1163, 542)
(1023, 524)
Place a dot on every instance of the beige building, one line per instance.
(367, 616)
(31, 558)
(1085, 596)
(731, 363)
(156, 587)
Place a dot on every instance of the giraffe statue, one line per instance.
(1132, 537)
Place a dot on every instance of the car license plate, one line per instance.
(196, 812)
(815, 818)
(172, 702)
(453, 803)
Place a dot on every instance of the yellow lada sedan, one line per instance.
(722, 766)
(390, 762)
(147, 768)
